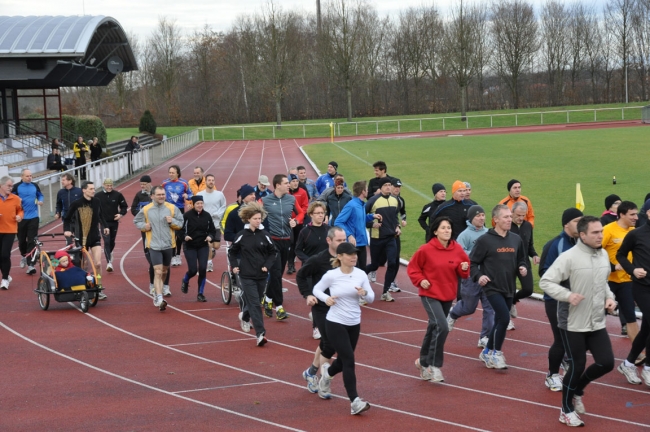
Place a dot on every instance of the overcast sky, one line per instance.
(141, 16)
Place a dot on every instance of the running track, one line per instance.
(127, 366)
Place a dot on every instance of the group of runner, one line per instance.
(583, 270)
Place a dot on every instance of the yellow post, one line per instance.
(332, 132)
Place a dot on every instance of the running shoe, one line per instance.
(513, 311)
(425, 372)
(184, 287)
(387, 297)
(163, 305)
(280, 314)
(157, 300)
(261, 339)
(31, 270)
(23, 262)
(482, 342)
(499, 360)
(571, 419)
(152, 289)
(324, 385)
(312, 381)
(5, 283)
(436, 374)
(268, 308)
(102, 296)
(487, 359)
(166, 291)
(316, 333)
(201, 298)
(245, 326)
(210, 266)
(554, 382)
(358, 406)
(450, 322)
(362, 301)
(578, 406)
(372, 276)
(394, 287)
(511, 325)
(109, 267)
(291, 269)
(624, 330)
(630, 373)
(645, 375)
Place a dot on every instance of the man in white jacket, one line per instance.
(581, 313)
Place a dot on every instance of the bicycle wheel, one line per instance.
(43, 298)
(226, 287)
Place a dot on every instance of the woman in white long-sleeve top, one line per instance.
(346, 285)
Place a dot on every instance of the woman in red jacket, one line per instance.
(435, 269)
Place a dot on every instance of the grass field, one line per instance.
(118, 134)
(548, 165)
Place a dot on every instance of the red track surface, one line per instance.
(127, 366)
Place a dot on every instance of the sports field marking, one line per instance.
(224, 387)
(259, 173)
(141, 384)
(233, 171)
(209, 342)
(284, 158)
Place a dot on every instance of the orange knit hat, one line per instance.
(457, 185)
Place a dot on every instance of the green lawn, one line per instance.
(548, 165)
(118, 134)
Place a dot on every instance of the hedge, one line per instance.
(87, 126)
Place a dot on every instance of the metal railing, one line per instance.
(37, 142)
(424, 124)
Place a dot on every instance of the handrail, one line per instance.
(23, 134)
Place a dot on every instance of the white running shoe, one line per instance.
(394, 287)
(630, 373)
(499, 360)
(513, 311)
(210, 266)
(179, 260)
(157, 300)
(487, 359)
(511, 325)
(23, 262)
(554, 382)
(436, 374)
(372, 276)
(166, 291)
(312, 381)
(482, 342)
(324, 385)
(387, 297)
(102, 296)
(425, 372)
(152, 289)
(645, 375)
(261, 339)
(31, 270)
(245, 326)
(109, 267)
(450, 322)
(362, 301)
(5, 283)
(358, 406)
(578, 405)
(571, 419)
(316, 333)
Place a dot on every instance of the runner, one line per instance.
(514, 195)
(279, 206)
(234, 224)
(197, 183)
(140, 200)
(308, 183)
(262, 188)
(523, 229)
(471, 292)
(313, 240)
(310, 273)
(84, 217)
(343, 321)
(255, 254)
(611, 204)
(336, 200)
(383, 233)
(114, 207)
(426, 216)
(637, 242)
(552, 249)
(198, 232)
(581, 314)
(380, 173)
(31, 197)
(496, 258)
(178, 193)
(396, 189)
(64, 197)
(214, 202)
(619, 280)
(158, 220)
(435, 269)
(327, 180)
(455, 209)
(11, 213)
(302, 201)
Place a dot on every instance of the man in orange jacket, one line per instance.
(11, 213)
(514, 195)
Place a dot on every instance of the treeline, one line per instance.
(345, 60)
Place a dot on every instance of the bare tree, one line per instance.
(576, 41)
(641, 43)
(593, 41)
(167, 48)
(609, 54)
(433, 29)
(619, 16)
(555, 21)
(514, 29)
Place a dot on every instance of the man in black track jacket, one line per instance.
(114, 206)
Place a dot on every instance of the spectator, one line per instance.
(95, 150)
(54, 159)
(131, 147)
(81, 151)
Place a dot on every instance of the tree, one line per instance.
(433, 30)
(555, 21)
(167, 47)
(619, 17)
(515, 36)
(593, 41)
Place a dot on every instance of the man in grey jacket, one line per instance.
(581, 314)
(159, 221)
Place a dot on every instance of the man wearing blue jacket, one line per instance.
(327, 180)
(68, 194)
(353, 219)
(31, 197)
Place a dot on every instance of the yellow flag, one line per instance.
(580, 203)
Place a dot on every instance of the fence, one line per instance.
(119, 167)
(645, 114)
(429, 124)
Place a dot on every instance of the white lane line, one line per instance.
(286, 166)
(209, 342)
(141, 384)
(223, 387)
